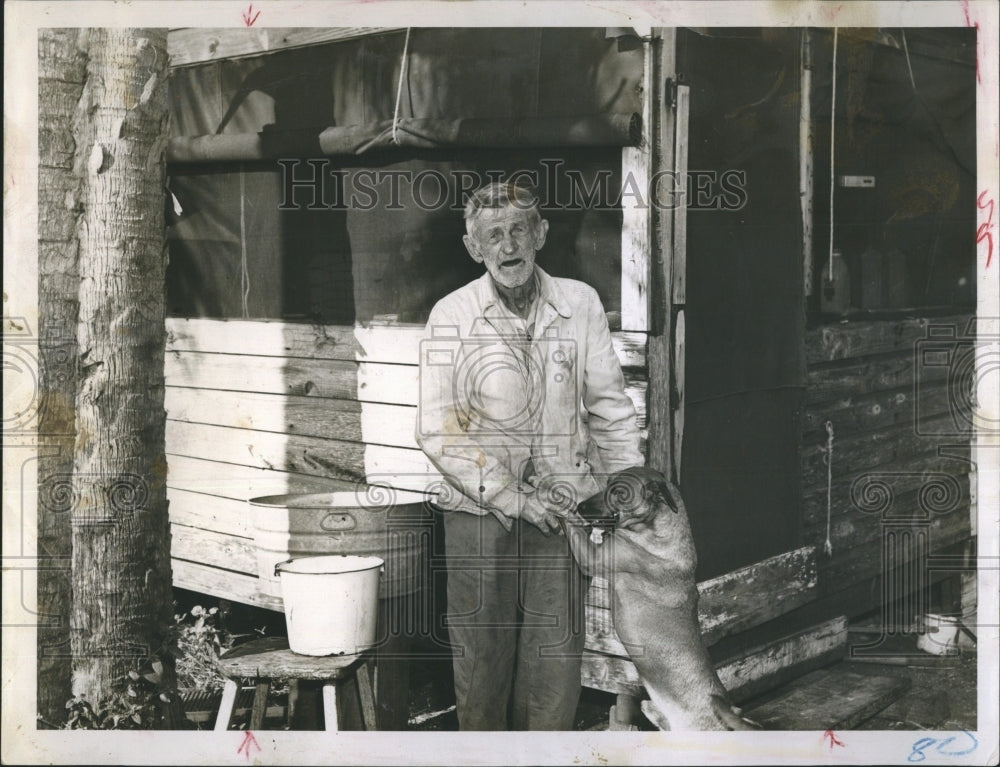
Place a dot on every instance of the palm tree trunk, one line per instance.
(122, 600)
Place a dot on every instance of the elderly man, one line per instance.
(522, 410)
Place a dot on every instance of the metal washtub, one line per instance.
(368, 521)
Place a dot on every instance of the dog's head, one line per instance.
(632, 497)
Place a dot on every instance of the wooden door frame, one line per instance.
(667, 260)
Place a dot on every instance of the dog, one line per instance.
(650, 552)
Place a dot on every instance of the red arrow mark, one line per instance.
(248, 741)
(834, 741)
(249, 17)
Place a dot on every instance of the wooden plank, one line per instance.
(840, 380)
(324, 458)
(727, 604)
(838, 698)
(678, 289)
(195, 45)
(766, 666)
(240, 482)
(659, 450)
(630, 348)
(347, 420)
(678, 386)
(635, 390)
(403, 469)
(757, 670)
(757, 593)
(396, 343)
(848, 340)
(636, 218)
(267, 450)
(226, 584)
(859, 453)
(228, 516)
(207, 547)
(337, 379)
(902, 477)
(873, 411)
(859, 557)
(391, 343)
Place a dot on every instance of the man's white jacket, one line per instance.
(503, 412)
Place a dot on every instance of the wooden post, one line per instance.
(121, 538)
(660, 354)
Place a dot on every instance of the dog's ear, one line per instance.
(662, 496)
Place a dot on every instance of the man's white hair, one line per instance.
(500, 194)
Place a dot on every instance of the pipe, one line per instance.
(420, 133)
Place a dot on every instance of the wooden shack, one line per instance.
(820, 457)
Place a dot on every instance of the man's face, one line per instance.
(506, 240)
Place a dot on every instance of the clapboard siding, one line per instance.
(396, 344)
(240, 482)
(888, 412)
(264, 408)
(334, 379)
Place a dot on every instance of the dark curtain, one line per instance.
(745, 368)
(345, 252)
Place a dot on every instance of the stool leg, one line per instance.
(367, 697)
(330, 706)
(259, 704)
(226, 707)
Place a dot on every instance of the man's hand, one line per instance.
(533, 511)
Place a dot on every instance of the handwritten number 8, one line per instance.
(918, 755)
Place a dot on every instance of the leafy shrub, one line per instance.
(199, 640)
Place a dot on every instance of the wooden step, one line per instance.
(839, 697)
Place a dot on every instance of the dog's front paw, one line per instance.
(653, 714)
(730, 716)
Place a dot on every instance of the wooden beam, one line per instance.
(227, 516)
(207, 547)
(678, 387)
(325, 458)
(902, 477)
(237, 587)
(659, 452)
(859, 453)
(727, 604)
(196, 45)
(854, 377)
(757, 670)
(860, 413)
(393, 343)
(335, 379)
(636, 216)
(838, 698)
(678, 288)
(864, 338)
(239, 481)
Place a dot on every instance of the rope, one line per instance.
(244, 270)
(399, 88)
(828, 545)
(833, 115)
(909, 67)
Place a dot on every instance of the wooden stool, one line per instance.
(269, 658)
